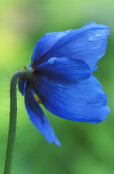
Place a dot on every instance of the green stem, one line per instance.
(26, 74)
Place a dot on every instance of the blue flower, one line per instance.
(62, 79)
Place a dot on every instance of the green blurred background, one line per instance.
(86, 148)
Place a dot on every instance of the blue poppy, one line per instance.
(62, 79)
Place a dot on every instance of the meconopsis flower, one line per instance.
(62, 80)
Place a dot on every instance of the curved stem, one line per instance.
(13, 117)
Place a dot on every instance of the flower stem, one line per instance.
(26, 74)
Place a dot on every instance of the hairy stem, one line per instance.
(26, 74)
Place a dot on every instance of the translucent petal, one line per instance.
(64, 70)
(38, 118)
(87, 43)
(83, 101)
(45, 44)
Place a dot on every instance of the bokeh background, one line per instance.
(86, 148)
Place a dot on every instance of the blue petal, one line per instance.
(64, 70)
(83, 101)
(45, 44)
(22, 85)
(87, 43)
(38, 118)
